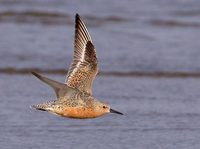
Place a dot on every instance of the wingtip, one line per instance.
(77, 16)
(35, 74)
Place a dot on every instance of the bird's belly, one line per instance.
(79, 112)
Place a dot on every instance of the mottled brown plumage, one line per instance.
(74, 98)
(84, 67)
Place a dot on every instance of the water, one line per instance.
(159, 113)
(148, 53)
(148, 35)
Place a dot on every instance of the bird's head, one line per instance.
(104, 108)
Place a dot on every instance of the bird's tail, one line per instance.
(43, 106)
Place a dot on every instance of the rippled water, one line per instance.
(129, 35)
(159, 113)
(149, 58)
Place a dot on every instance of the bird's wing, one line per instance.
(60, 89)
(84, 66)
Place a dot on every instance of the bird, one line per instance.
(74, 97)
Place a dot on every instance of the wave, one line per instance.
(58, 18)
(51, 18)
(173, 23)
(104, 73)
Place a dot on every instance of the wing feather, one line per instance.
(84, 66)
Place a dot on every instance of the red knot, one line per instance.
(74, 97)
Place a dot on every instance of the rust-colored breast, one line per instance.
(79, 112)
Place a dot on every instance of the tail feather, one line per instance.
(44, 106)
(38, 107)
(59, 88)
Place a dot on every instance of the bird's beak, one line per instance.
(114, 111)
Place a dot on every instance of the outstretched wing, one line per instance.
(84, 67)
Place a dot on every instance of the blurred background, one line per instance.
(149, 59)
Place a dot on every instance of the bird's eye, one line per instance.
(104, 107)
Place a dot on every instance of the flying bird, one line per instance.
(74, 98)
